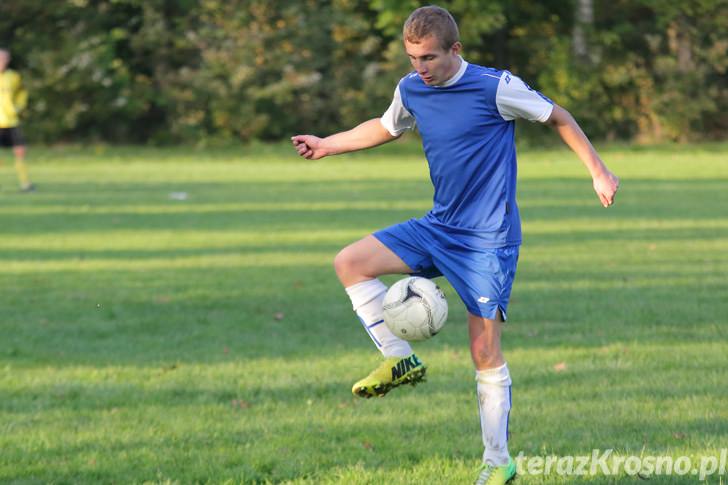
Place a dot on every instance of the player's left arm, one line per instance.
(605, 182)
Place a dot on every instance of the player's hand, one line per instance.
(606, 185)
(308, 146)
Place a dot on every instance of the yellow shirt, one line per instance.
(13, 98)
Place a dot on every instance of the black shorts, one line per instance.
(11, 137)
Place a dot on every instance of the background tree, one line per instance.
(203, 70)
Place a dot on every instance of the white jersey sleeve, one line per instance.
(397, 119)
(515, 99)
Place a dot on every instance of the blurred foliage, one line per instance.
(168, 71)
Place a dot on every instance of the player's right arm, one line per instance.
(395, 121)
(368, 134)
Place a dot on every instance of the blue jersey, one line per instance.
(467, 129)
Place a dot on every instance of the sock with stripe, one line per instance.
(366, 298)
(494, 405)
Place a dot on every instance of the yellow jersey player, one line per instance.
(13, 99)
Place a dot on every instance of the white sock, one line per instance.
(366, 298)
(494, 404)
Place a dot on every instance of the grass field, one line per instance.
(149, 337)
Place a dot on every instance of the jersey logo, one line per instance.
(483, 299)
(508, 79)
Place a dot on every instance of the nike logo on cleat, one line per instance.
(404, 366)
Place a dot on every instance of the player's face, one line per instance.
(4, 59)
(434, 64)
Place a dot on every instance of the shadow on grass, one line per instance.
(201, 315)
(567, 198)
(126, 397)
(132, 316)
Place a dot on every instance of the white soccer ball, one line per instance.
(415, 308)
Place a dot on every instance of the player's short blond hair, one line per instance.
(431, 20)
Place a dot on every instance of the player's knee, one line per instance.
(345, 263)
(486, 357)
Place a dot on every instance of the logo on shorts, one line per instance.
(483, 299)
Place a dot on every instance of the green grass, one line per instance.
(147, 339)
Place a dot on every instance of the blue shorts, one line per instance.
(483, 277)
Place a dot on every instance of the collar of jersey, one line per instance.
(457, 76)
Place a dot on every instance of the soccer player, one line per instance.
(13, 99)
(465, 114)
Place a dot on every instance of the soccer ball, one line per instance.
(415, 308)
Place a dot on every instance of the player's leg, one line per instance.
(483, 279)
(365, 260)
(20, 168)
(4, 142)
(494, 397)
(485, 334)
(358, 266)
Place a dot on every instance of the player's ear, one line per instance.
(456, 48)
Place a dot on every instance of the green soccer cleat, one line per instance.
(391, 373)
(496, 475)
